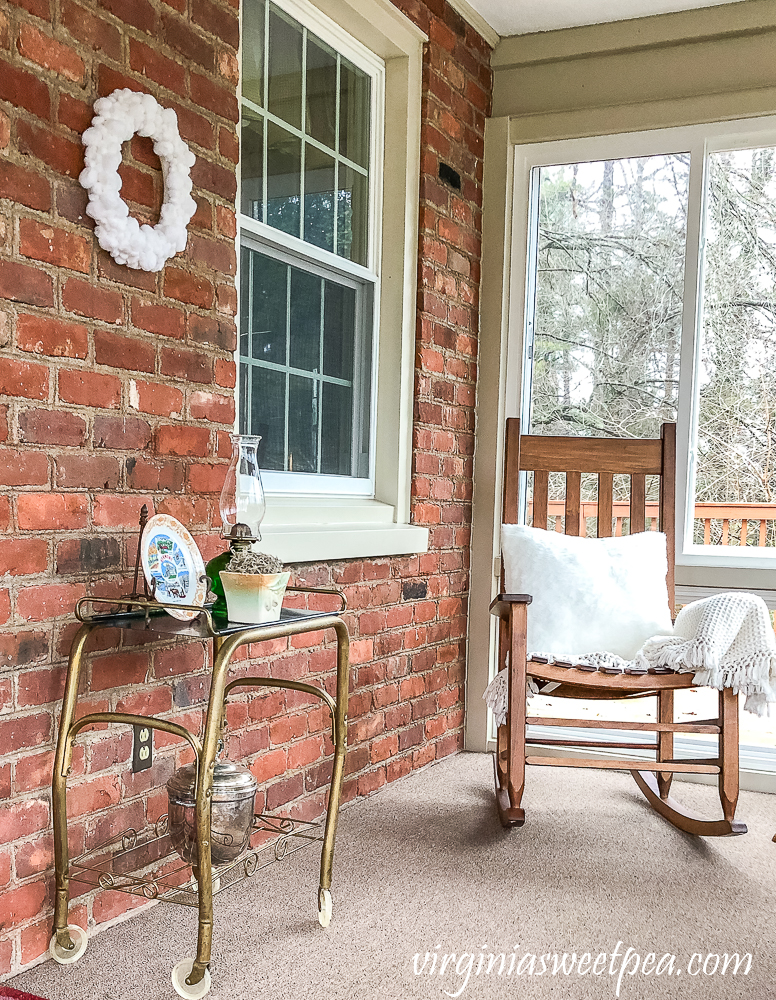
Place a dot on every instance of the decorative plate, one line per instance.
(170, 557)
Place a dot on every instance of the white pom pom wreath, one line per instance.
(117, 119)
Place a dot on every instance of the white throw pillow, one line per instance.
(589, 594)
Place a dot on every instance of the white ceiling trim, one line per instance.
(476, 20)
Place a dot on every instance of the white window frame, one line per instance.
(705, 567)
(334, 518)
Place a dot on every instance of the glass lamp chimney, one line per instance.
(242, 498)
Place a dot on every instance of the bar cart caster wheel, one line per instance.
(182, 988)
(64, 956)
(324, 907)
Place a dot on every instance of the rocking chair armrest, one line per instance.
(501, 605)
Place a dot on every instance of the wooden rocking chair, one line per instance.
(606, 458)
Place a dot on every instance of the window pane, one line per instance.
(609, 289)
(251, 164)
(302, 424)
(253, 51)
(245, 301)
(321, 111)
(269, 299)
(284, 175)
(355, 87)
(305, 344)
(339, 326)
(268, 415)
(352, 215)
(736, 444)
(284, 97)
(245, 374)
(337, 430)
(319, 198)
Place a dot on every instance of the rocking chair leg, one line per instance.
(510, 755)
(665, 741)
(728, 752)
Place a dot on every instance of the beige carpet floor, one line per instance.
(424, 866)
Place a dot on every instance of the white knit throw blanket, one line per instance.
(726, 640)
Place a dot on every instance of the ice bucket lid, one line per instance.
(230, 781)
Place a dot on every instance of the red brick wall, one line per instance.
(116, 388)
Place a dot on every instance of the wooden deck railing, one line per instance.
(749, 521)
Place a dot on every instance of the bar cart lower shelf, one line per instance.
(146, 863)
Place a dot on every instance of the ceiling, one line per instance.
(518, 17)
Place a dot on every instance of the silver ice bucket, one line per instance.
(234, 791)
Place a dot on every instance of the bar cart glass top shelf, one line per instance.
(144, 863)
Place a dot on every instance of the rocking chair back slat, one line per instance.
(561, 454)
(638, 503)
(605, 498)
(573, 501)
(540, 494)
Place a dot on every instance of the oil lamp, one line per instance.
(242, 497)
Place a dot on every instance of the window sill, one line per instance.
(311, 529)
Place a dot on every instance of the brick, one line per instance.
(209, 176)
(216, 254)
(156, 398)
(170, 439)
(127, 433)
(211, 406)
(92, 795)
(33, 44)
(179, 36)
(218, 22)
(225, 373)
(208, 330)
(89, 389)
(51, 427)
(23, 556)
(163, 320)
(19, 648)
(54, 246)
(139, 13)
(87, 472)
(123, 352)
(141, 188)
(23, 903)
(187, 287)
(118, 670)
(143, 474)
(28, 187)
(22, 731)
(191, 366)
(109, 269)
(206, 478)
(88, 555)
(53, 337)
(59, 152)
(117, 511)
(74, 114)
(24, 283)
(52, 511)
(96, 32)
(154, 66)
(39, 687)
(24, 90)
(87, 300)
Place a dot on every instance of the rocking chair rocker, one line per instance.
(606, 457)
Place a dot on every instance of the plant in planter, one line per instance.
(254, 584)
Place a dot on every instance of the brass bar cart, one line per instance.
(122, 864)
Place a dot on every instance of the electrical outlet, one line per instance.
(143, 749)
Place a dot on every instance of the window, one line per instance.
(649, 296)
(307, 264)
(330, 132)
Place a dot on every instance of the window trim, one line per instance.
(303, 528)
